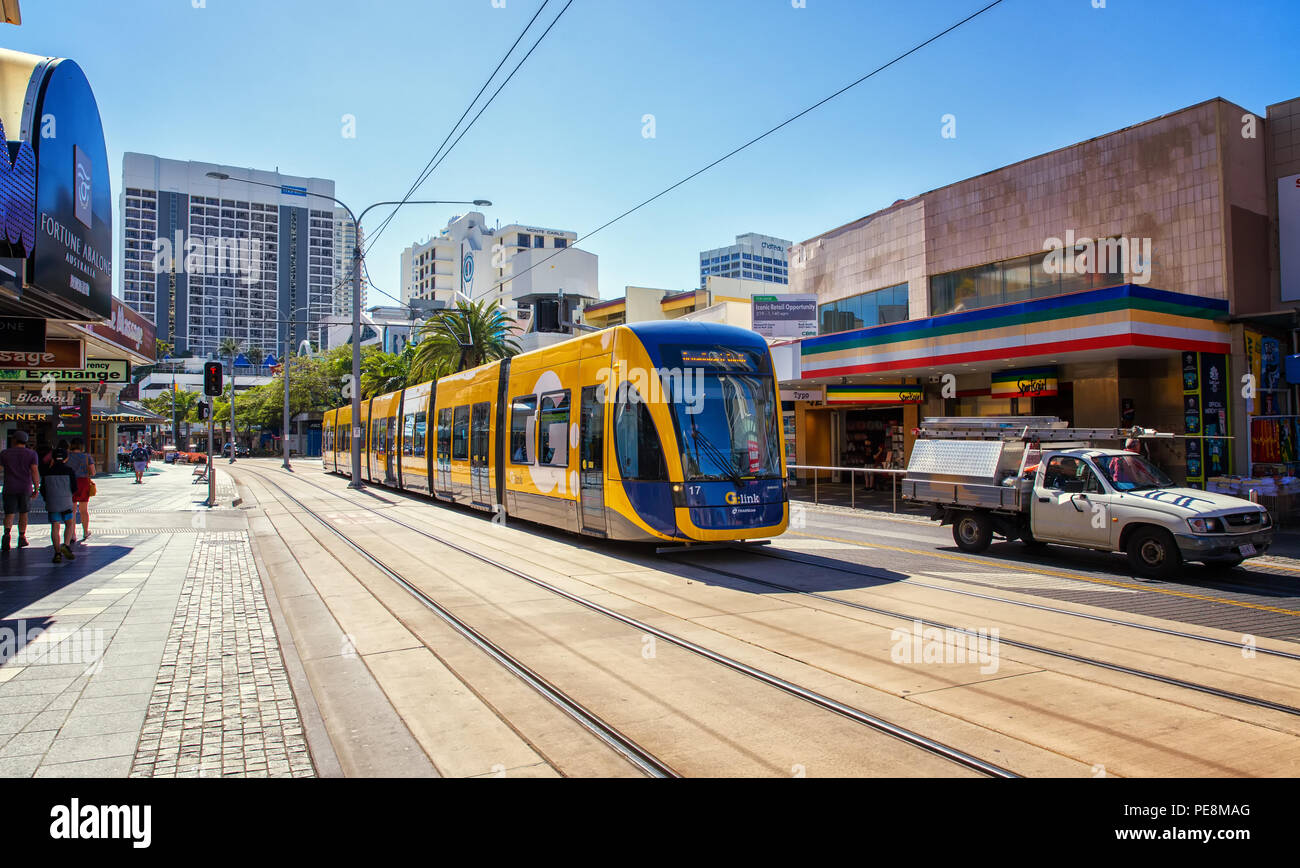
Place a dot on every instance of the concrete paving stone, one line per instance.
(110, 767)
(102, 724)
(28, 742)
(19, 766)
(100, 687)
(33, 686)
(52, 670)
(11, 723)
(74, 749)
(112, 704)
(31, 702)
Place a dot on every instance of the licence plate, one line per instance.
(1247, 550)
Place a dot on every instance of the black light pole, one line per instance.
(357, 254)
(284, 372)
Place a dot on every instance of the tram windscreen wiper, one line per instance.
(719, 457)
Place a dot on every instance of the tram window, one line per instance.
(553, 425)
(523, 421)
(481, 429)
(408, 434)
(636, 442)
(460, 435)
(417, 445)
(444, 434)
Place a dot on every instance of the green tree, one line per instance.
(255, 356)
(472, 334)
(382, 372)
(230, 347)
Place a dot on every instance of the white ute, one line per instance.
(1037, 480)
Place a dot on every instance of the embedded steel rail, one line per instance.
(1119, 622)
(870, 721)
(1064, 655)
(638, 756)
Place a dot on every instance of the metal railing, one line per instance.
(852, 472)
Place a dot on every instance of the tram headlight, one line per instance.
(679, 495)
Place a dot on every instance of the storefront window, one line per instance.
(1027, 277)
(862, 311)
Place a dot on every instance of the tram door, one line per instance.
(443, 479)
(390, 447)
(591, 461)
(480, 444)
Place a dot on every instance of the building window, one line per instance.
(524, 240)
(878, 307)
(1026, 278)
(539, 240)
(561, 242)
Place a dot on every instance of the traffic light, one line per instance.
(212, 374)
(203, 410)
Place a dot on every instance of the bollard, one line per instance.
(853, 474)
(815, 475)
(893, 491)
(1253, 495)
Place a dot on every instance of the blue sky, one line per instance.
(265, 83)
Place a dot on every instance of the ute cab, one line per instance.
(1115, 500)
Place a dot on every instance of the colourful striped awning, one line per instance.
(1115, 317)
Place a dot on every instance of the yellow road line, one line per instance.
(1055, 574)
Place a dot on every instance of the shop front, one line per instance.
(1119, 356)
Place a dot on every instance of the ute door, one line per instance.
(591, 461)
(1071, 504)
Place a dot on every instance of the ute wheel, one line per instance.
(1224, 563)
(1153, 553)
(1034, 545)
(972, 531)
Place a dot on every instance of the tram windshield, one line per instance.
(733, 436)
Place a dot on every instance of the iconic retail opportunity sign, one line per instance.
(59, 354)
(900, 393)
(785, 316)
(94, 371)
(1026, 383)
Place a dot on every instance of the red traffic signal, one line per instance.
(212, 375)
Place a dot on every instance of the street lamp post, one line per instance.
(284, 372)
(355, 386)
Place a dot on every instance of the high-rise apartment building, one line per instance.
(208, 259)
(346, 239)
(473, 260)
(752, 257)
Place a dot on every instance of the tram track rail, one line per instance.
(812, 697)
(1206, 689)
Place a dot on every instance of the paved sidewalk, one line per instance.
(151, 654)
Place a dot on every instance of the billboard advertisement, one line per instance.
(785, 316)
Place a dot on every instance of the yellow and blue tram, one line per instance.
(663, 431)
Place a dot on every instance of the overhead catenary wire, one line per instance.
(437, 160)
(761, 136)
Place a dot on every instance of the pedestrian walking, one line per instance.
(140, 461)
(22, 475)
(84, 467)
(57, 485)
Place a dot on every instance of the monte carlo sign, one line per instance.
(55, 198)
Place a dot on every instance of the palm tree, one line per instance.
(472, 334)
(255, 356)
(230, 347)
(382, 372)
